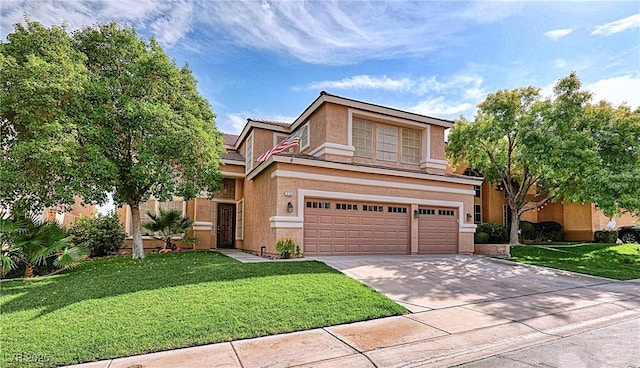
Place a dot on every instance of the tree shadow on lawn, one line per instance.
(109, 277)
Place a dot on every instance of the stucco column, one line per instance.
(414, 229)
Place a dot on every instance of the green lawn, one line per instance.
(615, 261)
(117, 307)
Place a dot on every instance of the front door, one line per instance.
(226, 221)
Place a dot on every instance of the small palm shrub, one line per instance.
(166, 225)
(31, 242)
(102, 235)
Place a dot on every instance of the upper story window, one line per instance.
(227, 189)
(277, 138)
(387, 142)
(411, 147)
(249, 153)
(304, 137)
(362, 137)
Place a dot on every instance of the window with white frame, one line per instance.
(249, 153)
(148, 206)
(304, 137)
(387, 142)
(240, 219)
(411, 146)
(227, 189)
(153, 206)
(477, 213)
(277, 138)
(506, 216)
(362, 137)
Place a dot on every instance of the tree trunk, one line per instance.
(138, 249)
(28, 272)
(514, 236)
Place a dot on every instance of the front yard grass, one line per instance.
(118, 306)
(614, 261)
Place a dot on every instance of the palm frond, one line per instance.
(70, 257)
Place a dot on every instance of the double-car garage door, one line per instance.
(337, 227)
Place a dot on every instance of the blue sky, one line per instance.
(270, 60)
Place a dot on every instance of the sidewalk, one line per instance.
(440, 337)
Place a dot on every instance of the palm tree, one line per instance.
(33, 241)
(167, 224)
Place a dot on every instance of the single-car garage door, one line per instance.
(437, 230)
(336, 227)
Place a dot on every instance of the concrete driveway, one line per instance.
(427, 282)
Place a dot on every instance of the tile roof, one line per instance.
(270, 122)
(232, 155)
(229, 139)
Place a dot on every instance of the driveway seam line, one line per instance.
(235, 352)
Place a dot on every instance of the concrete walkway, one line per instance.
(465, 308)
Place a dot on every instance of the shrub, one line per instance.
(606, 236)
(481, 238)
(101, 235)
(548, 231)
(496, 232)
(527, 230)
(286, 247)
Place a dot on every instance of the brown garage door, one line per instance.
(334, 227)
(438, 230)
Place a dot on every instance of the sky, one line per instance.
(270, 60)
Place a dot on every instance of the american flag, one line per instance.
(285, 144)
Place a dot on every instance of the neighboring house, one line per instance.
(67, 217)
(579, 221)
(364, 179)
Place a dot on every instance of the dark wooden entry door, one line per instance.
(226, 221)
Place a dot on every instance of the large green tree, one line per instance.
(136, 125)
(43, 82)
(540, 149)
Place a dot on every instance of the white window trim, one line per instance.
(379, 132)
(240, 209)
(401, 148)
(249, 155)
(303, 147)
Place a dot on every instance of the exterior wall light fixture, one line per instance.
(289, 207)
(416, 213)
(469, 217)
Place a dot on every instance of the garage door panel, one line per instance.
(437, 230)
(356, 228)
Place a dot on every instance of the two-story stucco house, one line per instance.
(364, 179)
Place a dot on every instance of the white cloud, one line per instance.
(365, 82)
(617, 90)
(440, 97)
(559, 63)
(232, 123)
(617, 26)
(167, 21)
(440, 107)
(558, 33)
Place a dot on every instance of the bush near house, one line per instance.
(606, 236)
(496, 232)
(541, 231)
(102, 235)
(480, 238)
